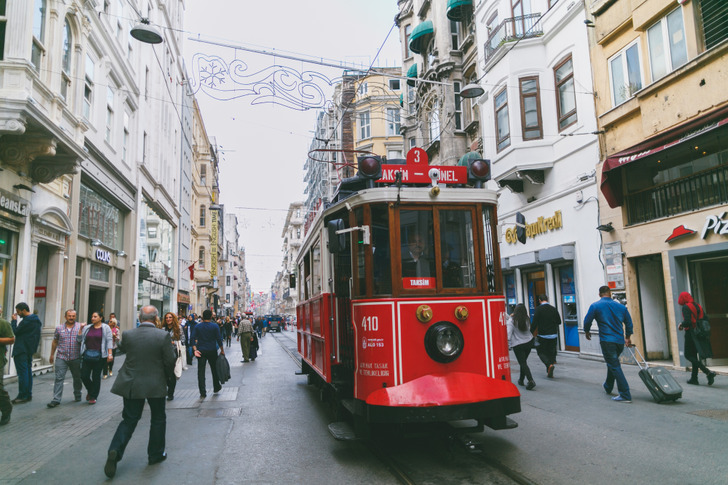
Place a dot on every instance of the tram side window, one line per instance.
(457, 246)
(490, 251)
(416, 236)
(306, 272)
(380, 247)
(361, 282)
(316, 268)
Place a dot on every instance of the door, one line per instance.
(567, 296)
(714, 281)
(96, 301)
(653, 307)
(535, 285)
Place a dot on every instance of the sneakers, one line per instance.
(530, 385)
(711, 378)
(110, 466)
(111, 373)
(607, 390)
(92, 401)
(53, 404)
(21, 400)
(550, 371)
(105, 376)
(77, 399)
(621, 399)
(520, 383)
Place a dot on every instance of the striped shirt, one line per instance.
(68, 348)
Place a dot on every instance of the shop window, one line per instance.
(530, 108)
(625, 73)
(502, 127)
(666, 40)
(565, 93)
(713, 14)
(99, 272)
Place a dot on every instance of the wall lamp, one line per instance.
(121, 254)
(95, 242)
(605, 227)
(144, 32)
(589, 23)
(215, 207)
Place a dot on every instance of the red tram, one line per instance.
(401, 313)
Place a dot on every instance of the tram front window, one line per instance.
(457, 246)
(418, 258)
(380, 247)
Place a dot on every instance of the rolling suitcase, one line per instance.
(658, 380)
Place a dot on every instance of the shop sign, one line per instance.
(213, 237)
(541, 226)
(182, 298)
(40, 291)
(613, 265)
(14, 204)
(715, 224)
(103, 256)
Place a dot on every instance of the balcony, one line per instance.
(697, 191)
(511, 30)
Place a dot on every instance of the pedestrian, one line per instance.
(68, 357)
(143, 377)
(206, 338)
(696, 348)
(7, 337)
(27, 338)
(171, 326)
(245, 335)
(96, 346)
(187, 330)
(521, 341)
(546, 321)
(228, 326)
(611, 316)
(254, 346)
(109, 365)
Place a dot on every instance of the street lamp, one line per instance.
(472, 90)
(144, 32)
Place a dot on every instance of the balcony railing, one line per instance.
(703, 189)
(511, 30)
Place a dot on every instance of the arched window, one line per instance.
(66, 61)
(433, 121)
(201, 259)
(202, 216)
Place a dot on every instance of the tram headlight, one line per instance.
(444, 342)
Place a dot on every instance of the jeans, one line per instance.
(91, 376)
(522, 352)
(131, 415)
(24, 367)
(62, 366)
(205, 357)
(611, 352)
(546, 350)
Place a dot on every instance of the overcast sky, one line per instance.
(265, 145)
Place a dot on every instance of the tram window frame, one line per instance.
(361, 258)
(488, 219)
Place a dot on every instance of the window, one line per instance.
(364, 126)
(125, 141)
(430, 54)
(202, 216)
(203, 174)
(624, 72)
(458, 115)
(100, 219)
(433, 122)
(456, 246)
(146, 84)
(455, 34)
(66, 60)
(109, 114)
(201, 258)
(530, 108)
(39, 18)
(470, 106)
(152, 232)
(363, 88)
(144, 147)
(521, 8)
(412, 143)
(88, 89)
(394, 84)
(502, 129)
(228, 282)
(411, 97)
(392, 121)
(715, 28)
(666, 40)
(394, 154)
(565, 93)
(407, 33)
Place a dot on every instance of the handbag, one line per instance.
(702, 328)
(178, 363)
(92, 355)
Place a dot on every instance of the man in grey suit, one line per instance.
(150, 360)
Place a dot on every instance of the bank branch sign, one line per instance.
(542, 225)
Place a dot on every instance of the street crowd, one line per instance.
(156, 352)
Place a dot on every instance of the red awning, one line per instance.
(612, 186)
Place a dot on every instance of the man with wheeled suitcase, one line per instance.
(611, 316)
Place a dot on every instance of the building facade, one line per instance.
(659, 74)
(292, 237)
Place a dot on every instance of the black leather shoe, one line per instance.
(711, 378)
(5, 419)
(20, 400)
(170, 398)
(159, 459)
(111, 460)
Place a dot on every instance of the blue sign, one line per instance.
(511, 301)
(569, 299)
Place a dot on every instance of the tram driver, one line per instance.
(415, 260)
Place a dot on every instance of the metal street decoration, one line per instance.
(281, 85)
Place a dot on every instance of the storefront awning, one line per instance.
(420, 36)
(611, 184)
(412, 74)
(458, 9)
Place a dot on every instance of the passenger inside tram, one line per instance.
(416, 260)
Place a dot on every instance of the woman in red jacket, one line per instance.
(696, 348)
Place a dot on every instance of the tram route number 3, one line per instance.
(370, 324)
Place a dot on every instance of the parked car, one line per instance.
(275, 323)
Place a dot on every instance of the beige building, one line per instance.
(660, 77)
(440, 58)
(376, 114)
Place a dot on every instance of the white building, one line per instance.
(538, 130)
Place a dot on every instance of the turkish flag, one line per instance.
(191, 269)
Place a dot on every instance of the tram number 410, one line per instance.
(370, 324)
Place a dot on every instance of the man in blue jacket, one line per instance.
(206, 338)
(27, 338)
(610, 316)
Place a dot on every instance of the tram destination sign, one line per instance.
(419, 174)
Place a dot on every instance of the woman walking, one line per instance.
(171, 325)
(109, 366)
(96, 346)
(696, 348)
(521, 341)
